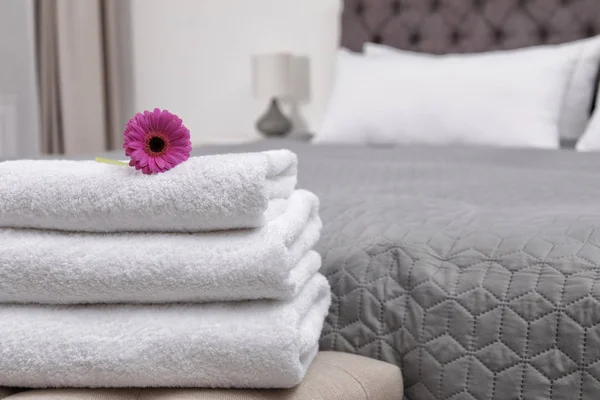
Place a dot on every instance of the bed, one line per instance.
(479, 278)
(475, 269)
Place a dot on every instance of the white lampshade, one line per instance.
(272, 75)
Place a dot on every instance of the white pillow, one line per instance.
(508, 98)
(575, 113)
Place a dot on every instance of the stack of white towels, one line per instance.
(202, 276)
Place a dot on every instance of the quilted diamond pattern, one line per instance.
(479, 279)
(448, 317)
(458, 26)
(476, 270)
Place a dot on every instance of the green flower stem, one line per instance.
(109, 161)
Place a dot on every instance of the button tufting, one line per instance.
(435, 5)
(455, 37)
(377, 39)
(360, 8)
(415, 38)
(499, 35)
(396, 7)
(543, 34)
(589, 31)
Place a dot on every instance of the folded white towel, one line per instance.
(274, 261)
(256, 344)
(202, 194)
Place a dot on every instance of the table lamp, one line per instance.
(271, 79)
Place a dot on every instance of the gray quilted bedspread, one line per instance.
(476, 270)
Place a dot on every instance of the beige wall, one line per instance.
(193, 57)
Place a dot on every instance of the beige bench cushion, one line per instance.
(4, 392)
(332, 376)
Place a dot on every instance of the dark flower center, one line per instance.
(156, 144)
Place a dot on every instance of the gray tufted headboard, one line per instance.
(469, 26)
(464, 26)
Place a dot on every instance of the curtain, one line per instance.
(116, 18)
(49, 97)
(19, 102)
(83, 71)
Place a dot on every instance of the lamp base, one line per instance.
(273, 123)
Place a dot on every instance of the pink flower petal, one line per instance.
(183, 139)
(160, 163)
(143, 161)
(134, 144)
(182, 147)
(171, 126)
(136, 134)
(180, 133)
(171, 159)
(178, 149)
(181, 142)
(151, 122)
(129, 140)
(181, 158)
(163, 120)
(154, 119)
(152, 164)
(142, 122)
(138, 154)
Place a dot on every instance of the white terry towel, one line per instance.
(255, 344)
(202, 194)
(274, 261)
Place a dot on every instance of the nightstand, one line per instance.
(299, 136)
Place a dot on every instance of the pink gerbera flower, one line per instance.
(156, 141)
